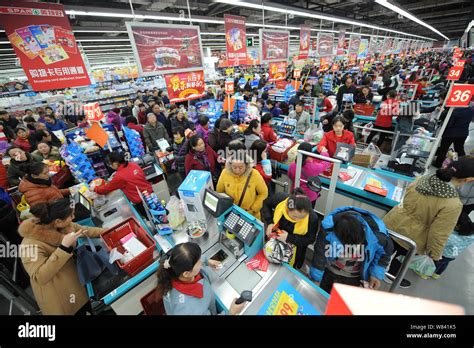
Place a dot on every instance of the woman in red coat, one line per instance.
(338, 135)
(202, 157)
(128, 177)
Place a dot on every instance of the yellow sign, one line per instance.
(286, 305)
(229, 71)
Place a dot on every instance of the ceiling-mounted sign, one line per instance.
(274, 45)
(340, 43)
(249, 42)
(363, 49)
(305, 41)
(43, 41)
(165, 48)
(354, 44)
(277, 71)
(235, 38)
(185, 86)
(325, 44)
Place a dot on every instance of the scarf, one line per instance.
(38, 181)
(202, 157)
(178, 142)
(301, 226)
(432, 186)
(193, 288)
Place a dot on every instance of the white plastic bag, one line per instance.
(423, 264)
(367, 128)
(176, 212)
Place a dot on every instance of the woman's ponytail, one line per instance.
(445, 174)
(461, 169)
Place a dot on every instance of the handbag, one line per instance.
(312, 182)
(245, 190)
(91, 261)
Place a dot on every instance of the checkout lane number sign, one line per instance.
(460, 96)
(455, 73)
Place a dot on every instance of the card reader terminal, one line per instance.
(241, 228)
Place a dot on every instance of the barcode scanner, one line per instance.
(245, 296)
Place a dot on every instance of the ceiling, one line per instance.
(105, 40)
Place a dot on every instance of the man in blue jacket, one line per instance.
(352, 246)
(54, 124)
(456, 133)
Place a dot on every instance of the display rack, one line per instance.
(210, 108)
(134, 142)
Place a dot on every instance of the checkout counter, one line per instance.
(121, 292)
(234, 250)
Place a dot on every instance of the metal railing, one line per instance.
(333, 182)
(406, 261)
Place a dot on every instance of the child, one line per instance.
(461, 238)
(338, 135)
(258, 151)
(310, 167)
(202, 128)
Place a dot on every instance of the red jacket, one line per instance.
(23, 144)
(268, 133)
(419, 90)
(192, 163)
(265, 177)
(3, 177)
(327, 105)
(142, 117)
(388, 109)
(127, 178)
(330, 140)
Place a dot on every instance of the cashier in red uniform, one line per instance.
(128, 177)
(338, 135)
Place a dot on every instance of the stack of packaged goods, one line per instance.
(327, 83)
(79, 164)
(156, 208)
(113, 140)
(192, 114)
(134, 142)
(240, 111)
(210, 108)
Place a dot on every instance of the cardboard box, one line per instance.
(192, 191)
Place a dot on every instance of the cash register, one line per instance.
(84, 210)
(147, 163)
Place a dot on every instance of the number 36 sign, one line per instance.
(460, 95)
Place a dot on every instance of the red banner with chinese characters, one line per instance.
(325, 43)
(165, 48)
(235, 38)
(43, 40)
(277, 71)
(340, 43)
(274, 45)
(185, 86)
(305, 41)
(93, 112)
(324, 63)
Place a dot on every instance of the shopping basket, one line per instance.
(366, 155)
(112, 238)
(152, 304)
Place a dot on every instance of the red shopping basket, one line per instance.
(152, 304)
(280, 156)
(112, 238)
(364, 109)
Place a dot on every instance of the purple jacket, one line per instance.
(312, 167)
(202, 132)
(115, 119)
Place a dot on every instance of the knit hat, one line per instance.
(430, 185)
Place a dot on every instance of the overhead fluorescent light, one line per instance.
(312, 15)
(408, 15)
(106, 46)
(102, 40)
(101, 31)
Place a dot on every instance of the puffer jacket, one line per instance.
(152, 134)
(233, 186)
(38, 191)
(377, 251)
(52, 156)
(427, 214)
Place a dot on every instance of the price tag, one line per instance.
(460, 95)
(455, 73)
(286, 305)
(93, 112)
(297, 73)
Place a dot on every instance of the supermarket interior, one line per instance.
(226, 157)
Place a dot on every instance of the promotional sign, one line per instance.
(98, 134)
(460, 95)
(185, 86)
(335, 67)
(352, 58)
(325, 43)
(235, 38)
(165, 48)
(43, 41)
(93, 112)
(387, 43)
(455, 73)
(305, 41)
(286, 300)
(363, 49)
(457, 53)
(324, 63)
(297, 73)
(229, 86)
(277, 71)
(354, 44)
(274, 45)
(340, 43)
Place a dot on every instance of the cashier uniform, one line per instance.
(196, 298)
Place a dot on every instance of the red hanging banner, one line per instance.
(277, 71)
(185, 86)
(340, 43)
(43, 40)
(305, 41)
(274, 45)
(325, 43)
(235, 38)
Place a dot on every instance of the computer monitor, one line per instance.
(217, 203)
(84, 201)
